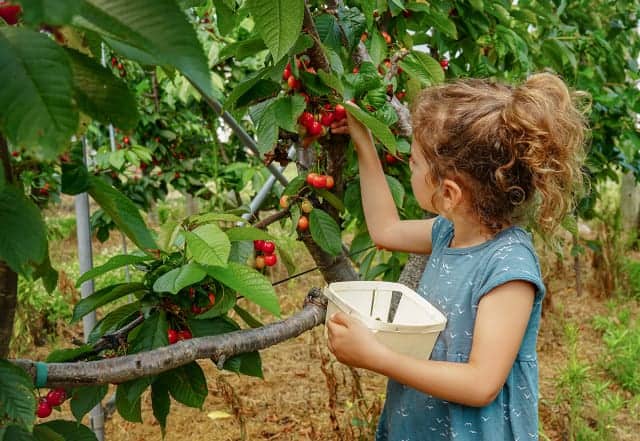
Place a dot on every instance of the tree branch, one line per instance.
(217, 347)
(315, 52)
(271, 219)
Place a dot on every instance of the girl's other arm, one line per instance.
(384, 225)
(501, 322)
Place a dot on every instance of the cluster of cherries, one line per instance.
(265, 253)
(54, 398)
(320, 181)
(176, 336)
(306, 207)
(117, 64)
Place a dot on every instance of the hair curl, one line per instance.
(515, 150)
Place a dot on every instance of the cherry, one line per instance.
(386, 36)
(306, 97)
(270, 260)
(306, 206)
(327, 119)
(303, 223)
(294, 83)
(356, 69)
(320, 181)
(259, 264)
(172, 334)
(15, 154)
(364, 37)
(258, 244)
(196, 309)
(306, 119)
(56, 397)
(339, 113)
(192, 293)
(269, 247)
(287, 72)
(176, 175)
(390, 159)
(330, 183)
(284, 202)
(212, 298)
(114, 61)
(311, 70)
(10, 13)
(444, 63)
(44, 408)
(311, 177)
(184, 335)
(126, 140)
(400, 95)
(315, 128)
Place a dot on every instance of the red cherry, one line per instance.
(44, 408)
(258, 245)
(330, 183)
(176, 175)
(390, 159)
(339, 113)
(114, 61)
(286, 73)
(268, 247)
(400, 95)
(56, 397)
(270, 260)
(356, 70)
(212, 298)
(196, 309)
(444, 63)
(259, 263)
(311, 70)
(303, 223)
(9, 13)
(306, 97)
(311, 177)
(387, 37)
(15, 154)
(306, 119)
(327, 119)
(184, 335)
(172, 334)
(320, 181)
(192, 293)
(126, 140)
(315, 128)
(294, 83)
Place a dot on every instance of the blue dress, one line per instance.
(454, 281)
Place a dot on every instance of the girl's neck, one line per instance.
(469, 233)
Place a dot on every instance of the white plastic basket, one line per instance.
(400, 318)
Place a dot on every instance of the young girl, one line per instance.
(485, 156)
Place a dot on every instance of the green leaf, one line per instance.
(248, 282)
(332, 81)
(70, 430)
(353, 23)
(247, 233)
(17, 402)
(43, 433)
(113, 263)
(47, 273)
(329, 31)
(225, 17)
(85, 398)
(114, 320)
(75, 178)
(260, 91)
(212, 326)
(208, 245)
(422, 67)
(279, 22)
(248, 363)
(128, 398)
(378, 129)
(23, 236)
(397, 190)
(247, 317)
(160, 403)
(63, 355)
(123, 212)
(187, 384)
(242, 89)
(287, 110)
(214, 217)
(242, 49)
(152, 334)
(36, 108)
(101, 95)
(294, 185)
(325, 231)
(51, 12)
(150, 32)
(178, 278)
(330, 198)
(104, 296)
(15, 433)
(266, 124)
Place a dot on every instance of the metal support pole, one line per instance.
(85, 257)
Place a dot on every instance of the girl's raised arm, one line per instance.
(385, 227)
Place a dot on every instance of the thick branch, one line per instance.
(8, 301)
(218, 348)
(275, 217)
(318, 58)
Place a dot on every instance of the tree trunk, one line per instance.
(8, 301)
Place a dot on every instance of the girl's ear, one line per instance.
(451, 195)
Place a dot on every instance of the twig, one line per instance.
(271, 219)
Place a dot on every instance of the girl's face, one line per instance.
(423, 189)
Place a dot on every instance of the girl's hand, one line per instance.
(352, 342)
(360, 134)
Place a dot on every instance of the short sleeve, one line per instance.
(440, 233)
(511, 261)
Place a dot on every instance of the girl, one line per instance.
(485, 156)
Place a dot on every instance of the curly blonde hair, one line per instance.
(515, 150)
